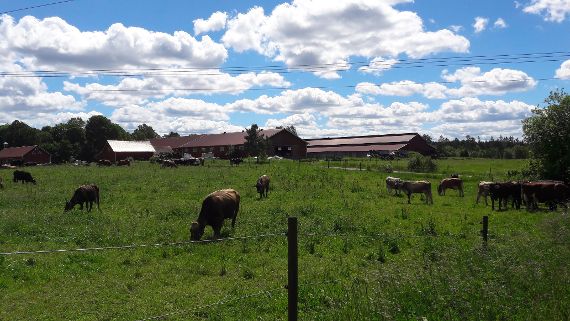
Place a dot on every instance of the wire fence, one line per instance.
(293, 240)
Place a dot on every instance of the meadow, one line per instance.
(363, 254)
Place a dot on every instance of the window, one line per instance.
(195, 149)
(279, 148)
(289, 148)
(222, 148)
(204, 149)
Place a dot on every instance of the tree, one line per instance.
(254, 141)
(98, 130)
(144, 132)
(548, 135)
(171, 134)
(20, 134)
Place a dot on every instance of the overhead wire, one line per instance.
(36, 6)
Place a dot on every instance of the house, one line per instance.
(281, 142)
(116, 150)
(24, 154)
(360, 146)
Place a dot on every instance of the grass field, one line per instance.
(374, 256)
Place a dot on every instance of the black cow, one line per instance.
(236, 161)
(84, 194)
(503, 191)
(24, 177)
(104, 162)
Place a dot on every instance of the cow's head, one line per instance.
(196, 231)
(68, 206)
(440, 189)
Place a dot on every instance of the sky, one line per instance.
(330, 68)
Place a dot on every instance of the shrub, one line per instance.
(419, 163)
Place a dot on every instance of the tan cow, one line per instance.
(450, 183)
(262, 186)
(393, 184)
(422, 187)
(483, 190)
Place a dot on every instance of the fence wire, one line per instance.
(217, 303)
(134, 246)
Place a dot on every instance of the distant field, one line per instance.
(376, 258)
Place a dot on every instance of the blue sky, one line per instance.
(329, 68)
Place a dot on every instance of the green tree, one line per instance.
(171, 134)
(547, 132)
(20, 134)
(254, 141)
(98, 130)
(144, 132)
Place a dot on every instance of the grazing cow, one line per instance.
(454, 175)
(423, 187)
(168, 163)
(262, 185)
(503, 191)
(452, 183)
(104, 162)
(483, 190)
(124, 162)
(216, 207)
(393, 183)
(25, 177)
(235, 161)
(84, 194)
(548, 192)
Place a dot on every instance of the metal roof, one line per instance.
(173, 142)
(225, 139)
(16, 152)
(122, 146)
(362, 140)
(359, 148)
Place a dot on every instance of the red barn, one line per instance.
(24, 154)
(116, 150)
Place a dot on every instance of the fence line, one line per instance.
(220, 302)
(133, 246)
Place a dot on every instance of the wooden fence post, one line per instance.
(485, 230)
(360, 165)
(329, 163)
(292, 269)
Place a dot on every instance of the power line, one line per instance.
(36, 6)
(331, 67)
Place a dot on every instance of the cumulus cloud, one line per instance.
(52, 43)
(500, 23)
(217, 21)
(473, 110)
(140, 90)
(472, 81)
(564, 71)
(378, 65)
(324, 33)
(551, 10)
(480, 24)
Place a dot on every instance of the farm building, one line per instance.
(282, 143)
(168, 144)
(360, 146)
(116, 150)
(23, 155)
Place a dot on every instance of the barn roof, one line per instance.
(122, 146)
(224, 139)
(359, 148)
(16, 152)
(172, 142)
(362, 140)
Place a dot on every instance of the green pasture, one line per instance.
(363, 254)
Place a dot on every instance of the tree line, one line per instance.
(501, 147)
(74, 139)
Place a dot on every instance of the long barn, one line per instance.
(360, 146)
(24, 154)
(116, 150)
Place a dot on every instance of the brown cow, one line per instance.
(262, 185)
(452, 183)
(216, 207)
(124, 162)
(549, 192)
(483, 190)
(424, 187)
(104, 162)
(503, 191)
(393, 184)
(168, 163)
(84, 194)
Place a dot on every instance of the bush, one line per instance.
(419, 163)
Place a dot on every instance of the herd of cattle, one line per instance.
(552, 193)
(224, 204)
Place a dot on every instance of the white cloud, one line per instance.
(303, 120)
(500, 23)
(564, 71)
(139, 90)
(480, 24)
(551, 10)
(473, 82)
(473, 110)
(52, 43)
(217, 21)
(456, 28)
(378, 65)
(321, 33)
(484, 130)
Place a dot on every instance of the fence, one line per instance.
(292, 265)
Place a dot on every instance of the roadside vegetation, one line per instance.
(363, 254)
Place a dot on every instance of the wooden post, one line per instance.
(292, 269)
(360, 165)
(485, 230)
(329, 163)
